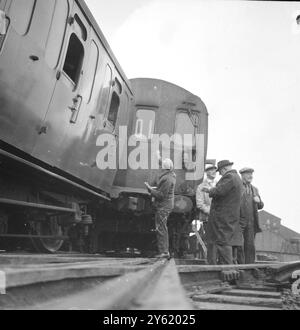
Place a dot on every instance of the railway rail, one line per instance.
(95, 282)
(242, 287)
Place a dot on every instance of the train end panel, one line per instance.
(162, 108)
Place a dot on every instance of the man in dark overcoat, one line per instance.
(224, 230)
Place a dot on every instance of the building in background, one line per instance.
(276, 242)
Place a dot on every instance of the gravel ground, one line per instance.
(290, 301)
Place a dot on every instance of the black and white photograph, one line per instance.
(149, 156)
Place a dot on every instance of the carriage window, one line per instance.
(74, 58)
(57, 32)
(20, 13)
(105, 92)
(80, 28)
(4, 23)
(91, 71)
(145, 121)
(114, 109)
(187, 124)
(118, 86)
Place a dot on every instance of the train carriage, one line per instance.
(60, 88)
(162, 110)
(58, 80)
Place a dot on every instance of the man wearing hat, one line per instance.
(223, 230)
(251, 203)
(203, 201)
(164, 196)
(202, 198)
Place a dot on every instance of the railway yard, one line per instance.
(95, 282)
(94, 163)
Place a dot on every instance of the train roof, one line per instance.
(168, 84)
(103, 40)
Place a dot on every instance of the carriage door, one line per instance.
(113, 104)
(26, 82)
(66, 102)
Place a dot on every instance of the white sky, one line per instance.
(242, 58)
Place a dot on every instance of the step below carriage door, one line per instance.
(67, 100)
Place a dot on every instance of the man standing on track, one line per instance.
(223, 230)
(203, 202)
(164, 196)
(251, 203)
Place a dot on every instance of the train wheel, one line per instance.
(49, 227)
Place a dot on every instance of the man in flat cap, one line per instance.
(203, 201)
(164, 195)
(223, 230)
(251, 203)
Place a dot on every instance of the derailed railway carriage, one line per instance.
(167, 113)
(61, 87)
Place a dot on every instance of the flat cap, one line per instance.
(247, 170)
(167, 164)
(209, 167)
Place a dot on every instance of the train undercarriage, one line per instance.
(45, 214)
(42, 212)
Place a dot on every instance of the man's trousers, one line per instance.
(161, 223)
(219, 254)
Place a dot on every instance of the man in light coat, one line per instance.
(202, 198)
(203, 202)
(224, 230)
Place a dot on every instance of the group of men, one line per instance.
(229, 213)
(228, 210)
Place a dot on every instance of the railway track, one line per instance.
(242, 287)
(90, 283)
(94, 282)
